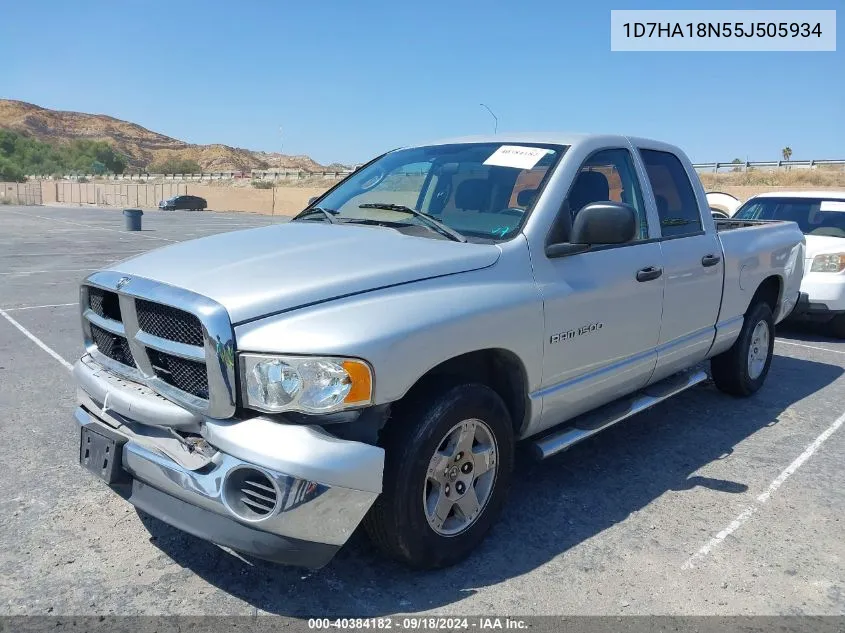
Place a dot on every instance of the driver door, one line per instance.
(602, 312)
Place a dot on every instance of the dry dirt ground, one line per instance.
(703, 505)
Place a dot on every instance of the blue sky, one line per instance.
(347, 80)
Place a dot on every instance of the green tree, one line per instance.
(786, 152)
(9, 172)
(24, 154)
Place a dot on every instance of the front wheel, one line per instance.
(448, 462)
(742, 370)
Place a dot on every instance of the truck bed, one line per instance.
(762, 249)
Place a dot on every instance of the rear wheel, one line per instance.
(448, 462)
(742, 370)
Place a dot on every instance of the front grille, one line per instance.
(168, 342)
(104, 303)
(169, 323)
(187, 375)
(112, 345)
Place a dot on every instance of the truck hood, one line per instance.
(256, 272)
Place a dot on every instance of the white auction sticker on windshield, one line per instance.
(832, 205)
(516, 156)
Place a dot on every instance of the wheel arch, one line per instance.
(769, 291)
(500, 369)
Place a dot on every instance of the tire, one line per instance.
(734, 371)
(398, 523)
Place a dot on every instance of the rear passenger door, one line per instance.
(692, 262)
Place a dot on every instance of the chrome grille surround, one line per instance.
(216, 352)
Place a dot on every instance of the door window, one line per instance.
(609, 176)
(673, 194)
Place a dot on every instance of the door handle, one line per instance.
(710, 260)
(647, 274)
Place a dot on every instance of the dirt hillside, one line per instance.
(140, 145)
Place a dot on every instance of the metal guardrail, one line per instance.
(772, 164)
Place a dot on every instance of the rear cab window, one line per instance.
(674, 195)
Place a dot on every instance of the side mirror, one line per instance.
(598, 223)
(312, 200)
(604, 223)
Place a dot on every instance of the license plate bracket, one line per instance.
(101, 452)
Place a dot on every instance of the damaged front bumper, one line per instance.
(287, 493)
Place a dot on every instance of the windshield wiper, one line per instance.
(327, 214)
(430, 220)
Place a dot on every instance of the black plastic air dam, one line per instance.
(228, 532)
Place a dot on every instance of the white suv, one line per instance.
(821, 216)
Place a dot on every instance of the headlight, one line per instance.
(305, 384)
(829, 263)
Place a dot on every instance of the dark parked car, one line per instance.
(192, 203)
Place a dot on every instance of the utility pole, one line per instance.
(281, 145)
(495, 118)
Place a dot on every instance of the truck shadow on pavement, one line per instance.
(808, 333)
(554, 506)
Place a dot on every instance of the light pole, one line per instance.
(495, 118)
(281, 145)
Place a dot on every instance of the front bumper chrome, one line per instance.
(324, 485)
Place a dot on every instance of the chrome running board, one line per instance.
(591, 423)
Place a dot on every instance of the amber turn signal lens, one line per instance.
(362, 382)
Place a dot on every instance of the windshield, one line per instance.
(815, 216)
(482, 191)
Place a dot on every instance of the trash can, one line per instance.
(133, 219)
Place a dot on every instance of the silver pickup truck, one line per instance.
(377, 359)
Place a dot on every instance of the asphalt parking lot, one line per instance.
(703, 505)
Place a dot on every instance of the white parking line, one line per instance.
(762, 498)
(821, 349)
(46, 305)
(36, 340)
